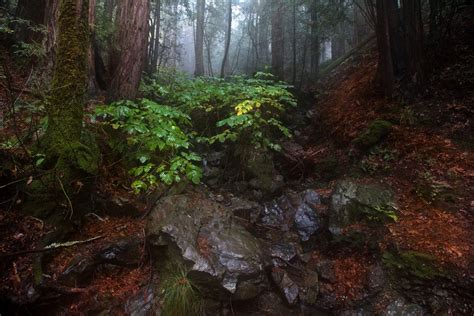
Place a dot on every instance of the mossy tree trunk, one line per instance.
(63, 141)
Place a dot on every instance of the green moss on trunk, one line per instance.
(63, 143)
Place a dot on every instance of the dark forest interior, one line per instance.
(236, 157)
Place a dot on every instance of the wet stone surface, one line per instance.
(222, 258)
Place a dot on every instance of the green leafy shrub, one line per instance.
(156, 145)
(238, 110)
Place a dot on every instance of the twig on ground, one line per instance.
(53, 246)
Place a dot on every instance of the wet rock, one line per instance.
(285, 252)
(309, 290)
(268, 185)
(275, 213)
(125, 252)
(287, 287)
(294, 210)
(375, 133)
(222, 258)
(142, 304)
(214, 159)
(326, 270)
(363, 311)
(79, 272)
(377, 277)
(399, 307)
(352, 202)
(244, 208)
(269, 303)
(117, 206)
(306, 221)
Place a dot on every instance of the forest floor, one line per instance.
(428, 159)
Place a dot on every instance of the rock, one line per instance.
(125, 252)
(287, 287)
(222, 258)
(268, 185)
(399, 307)
(311, 197)
(271, 304)
(265, 177)
(352, 202)
(326, 270)
(78, 272)
(362, 311)
(377, 278)
(142, 304)
(274, 213)
(282, 251)
(117, 206)
(376, 131)
(294, 210)
(244, 208)
(306, 222)
(309, 290)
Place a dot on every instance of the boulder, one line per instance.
(221, 257)
(125, 252)
(294, 210)
(399, 307)
(287, 287)
(352, 202)
(375, 133)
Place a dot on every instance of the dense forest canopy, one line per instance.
(236, 157)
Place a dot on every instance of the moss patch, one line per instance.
(376, 131)
(412, 264)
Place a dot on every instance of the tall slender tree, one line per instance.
(228, 34)
(199, 38)
(278, 39)
(385, 74)
(315, 42)
(414, 39)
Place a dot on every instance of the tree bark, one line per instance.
(315, 44)
(414, 39)
(156, 41)
(278, 40)
(385, 75)
(293, 80)
(262, 26)
(228, 36)
(65, 106)
(199, 41)
(132, 22)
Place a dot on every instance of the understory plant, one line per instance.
(180, 296)
(244, 112)
(156, 147)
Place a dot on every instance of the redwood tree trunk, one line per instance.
(278, 40)
(385, 74)
(315, 45)
(263, 26)
(414, 39)
(199, 42)
(132, 22)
